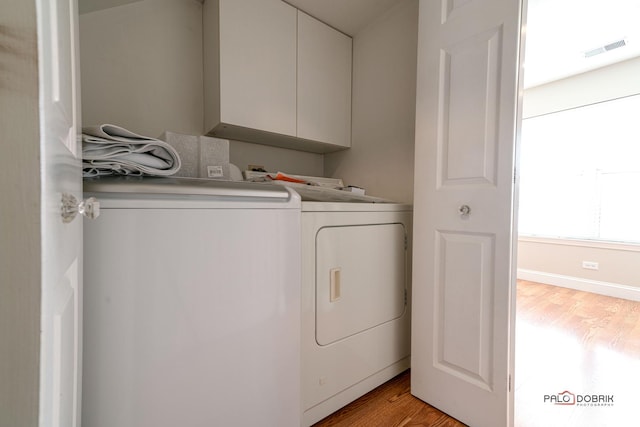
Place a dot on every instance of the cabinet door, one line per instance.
(324, 82)
(258, 65)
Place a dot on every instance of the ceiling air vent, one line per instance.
(605, 48)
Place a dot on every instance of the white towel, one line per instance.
(112, 150)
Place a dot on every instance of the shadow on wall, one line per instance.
(383, 116)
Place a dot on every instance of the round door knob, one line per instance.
(464, 210)
(70, 207)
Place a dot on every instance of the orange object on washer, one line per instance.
(282, 177)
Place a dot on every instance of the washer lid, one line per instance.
(184, 186)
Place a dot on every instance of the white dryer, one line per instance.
(355, 301)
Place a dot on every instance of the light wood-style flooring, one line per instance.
(580, 342)
(566, 340)
(390, 405)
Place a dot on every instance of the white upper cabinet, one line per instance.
(250, 65)
(275, 76)
(324, 82)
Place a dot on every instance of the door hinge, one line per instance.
(405, 297)
(509, 383)
(406, 242)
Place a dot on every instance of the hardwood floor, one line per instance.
(584, 343)
(566, 340)
(390, 405)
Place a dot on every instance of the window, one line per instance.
(580, 173)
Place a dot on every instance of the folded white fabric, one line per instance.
(112, 150)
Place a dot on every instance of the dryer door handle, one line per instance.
(335, 287)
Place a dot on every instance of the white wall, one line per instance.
(86, 6)
(552, 257)
(617, 263)
(615, 81)
(276, 159)
(383, 115)
(19, 215)
(142, 68)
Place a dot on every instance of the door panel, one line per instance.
(64, 349)
(469, 80)
(466, 115)
(462, 295)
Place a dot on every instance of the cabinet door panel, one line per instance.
(324, 82)
(258, 65)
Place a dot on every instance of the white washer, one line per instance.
(355, 301)
(191, 305)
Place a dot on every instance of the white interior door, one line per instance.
(61, 321)
(463, 293)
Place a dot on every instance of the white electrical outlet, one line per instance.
(590, 265)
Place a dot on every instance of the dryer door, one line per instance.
(360, 279)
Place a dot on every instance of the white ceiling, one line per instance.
(558, 32)
(348, 16)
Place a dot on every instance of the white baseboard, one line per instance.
(603, 288)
